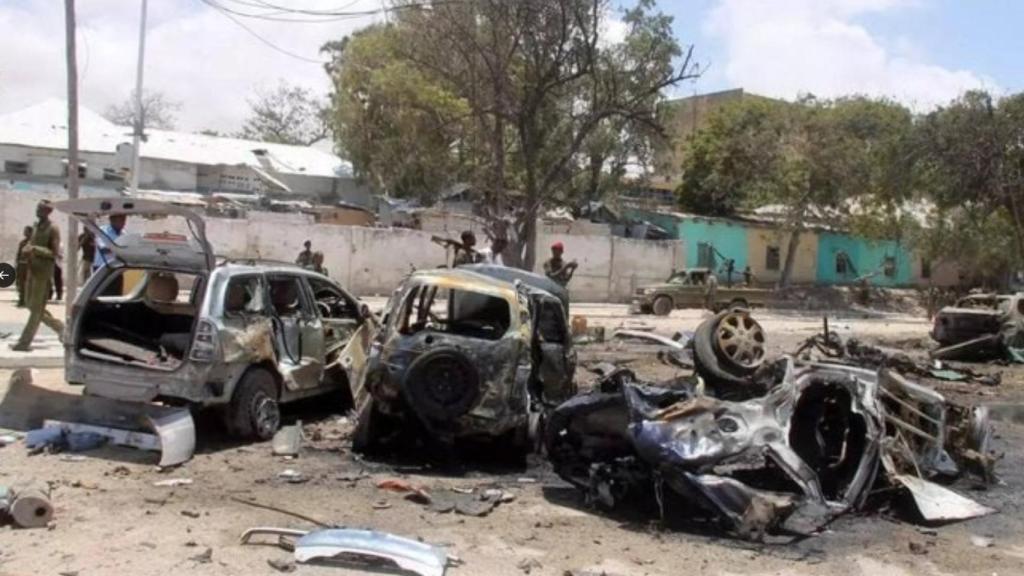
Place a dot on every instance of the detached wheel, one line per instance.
(739, 341)
(442, 385)
(725, 378)
(254, 412)
(662, 306)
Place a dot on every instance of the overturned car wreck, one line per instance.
(816, 444)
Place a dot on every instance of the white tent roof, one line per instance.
(44, 125)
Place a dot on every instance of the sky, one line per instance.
(921, 52)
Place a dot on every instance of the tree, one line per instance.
(396, 125)
(536, 85)
(158, 111)
(972, 164)
(816, 160)
(286, 115)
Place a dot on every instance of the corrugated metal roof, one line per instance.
(44, 125)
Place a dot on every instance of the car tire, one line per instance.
(254, 412)
(724, 383)
(662, 306)
(739, 303)
(442, 385)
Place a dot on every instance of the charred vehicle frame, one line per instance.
(466, 353)
(809, 441)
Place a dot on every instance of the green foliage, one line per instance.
(523, 100)
(396, 123)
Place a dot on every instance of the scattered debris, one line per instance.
(981, 541)
(288, 440)
(262, 506)
(204, 557)
(28, 507)
(833, 431)
(361, 548)
(292, 476)
(190, 514)
(6, 439)
(173, 482)
(281, 565)
(413, 493)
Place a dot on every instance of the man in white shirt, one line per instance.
(492, 254)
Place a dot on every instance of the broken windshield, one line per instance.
(453, 311)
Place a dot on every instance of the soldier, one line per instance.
(317, 264)
(305, 258)
(467, 253)
(748, 276)
(711, 292)
(42, 249)
(557, 268)
(730, 267)
(21, 272)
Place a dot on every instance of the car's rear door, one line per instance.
(298, 331)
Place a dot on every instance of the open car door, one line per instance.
(161, 249)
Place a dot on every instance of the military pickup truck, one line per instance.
(687, 289)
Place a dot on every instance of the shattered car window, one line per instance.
(331, 302)
(286, 296)
(459, 312)
(244, 296)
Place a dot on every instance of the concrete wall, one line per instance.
(368, 261)
(611, 268)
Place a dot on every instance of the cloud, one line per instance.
(784, 48)
(194, 54)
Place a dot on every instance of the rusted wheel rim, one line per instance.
(266, 416)
(740, 339)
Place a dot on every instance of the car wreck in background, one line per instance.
(471, 353)
(980, 327)
(809, 441)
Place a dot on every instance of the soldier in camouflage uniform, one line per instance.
(41, 251)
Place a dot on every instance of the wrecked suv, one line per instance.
(472, 353)
(164, 321)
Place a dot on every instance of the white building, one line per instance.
(33, 147)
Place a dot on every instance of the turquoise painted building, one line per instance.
(823, 257)
(843, 258)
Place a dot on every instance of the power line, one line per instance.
(256, 35)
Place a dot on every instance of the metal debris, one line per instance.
(288, 440)
(173, 482)
(381, 550)
(832, 430)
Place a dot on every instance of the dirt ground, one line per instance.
(111, 519)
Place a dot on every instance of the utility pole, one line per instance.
(71, 242)
(139, 121)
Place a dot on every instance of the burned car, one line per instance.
(165, 321)
(815, 445)
(978, 326)
(466, 354)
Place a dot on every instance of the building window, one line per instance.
(16, 167)
(889, 266)
(112, 175)
(842, 264)
(926, 268)
(772, 257)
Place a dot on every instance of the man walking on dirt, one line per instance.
(42, 249)
(557, 268)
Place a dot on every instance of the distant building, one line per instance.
(33, 147)
(681, 118)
